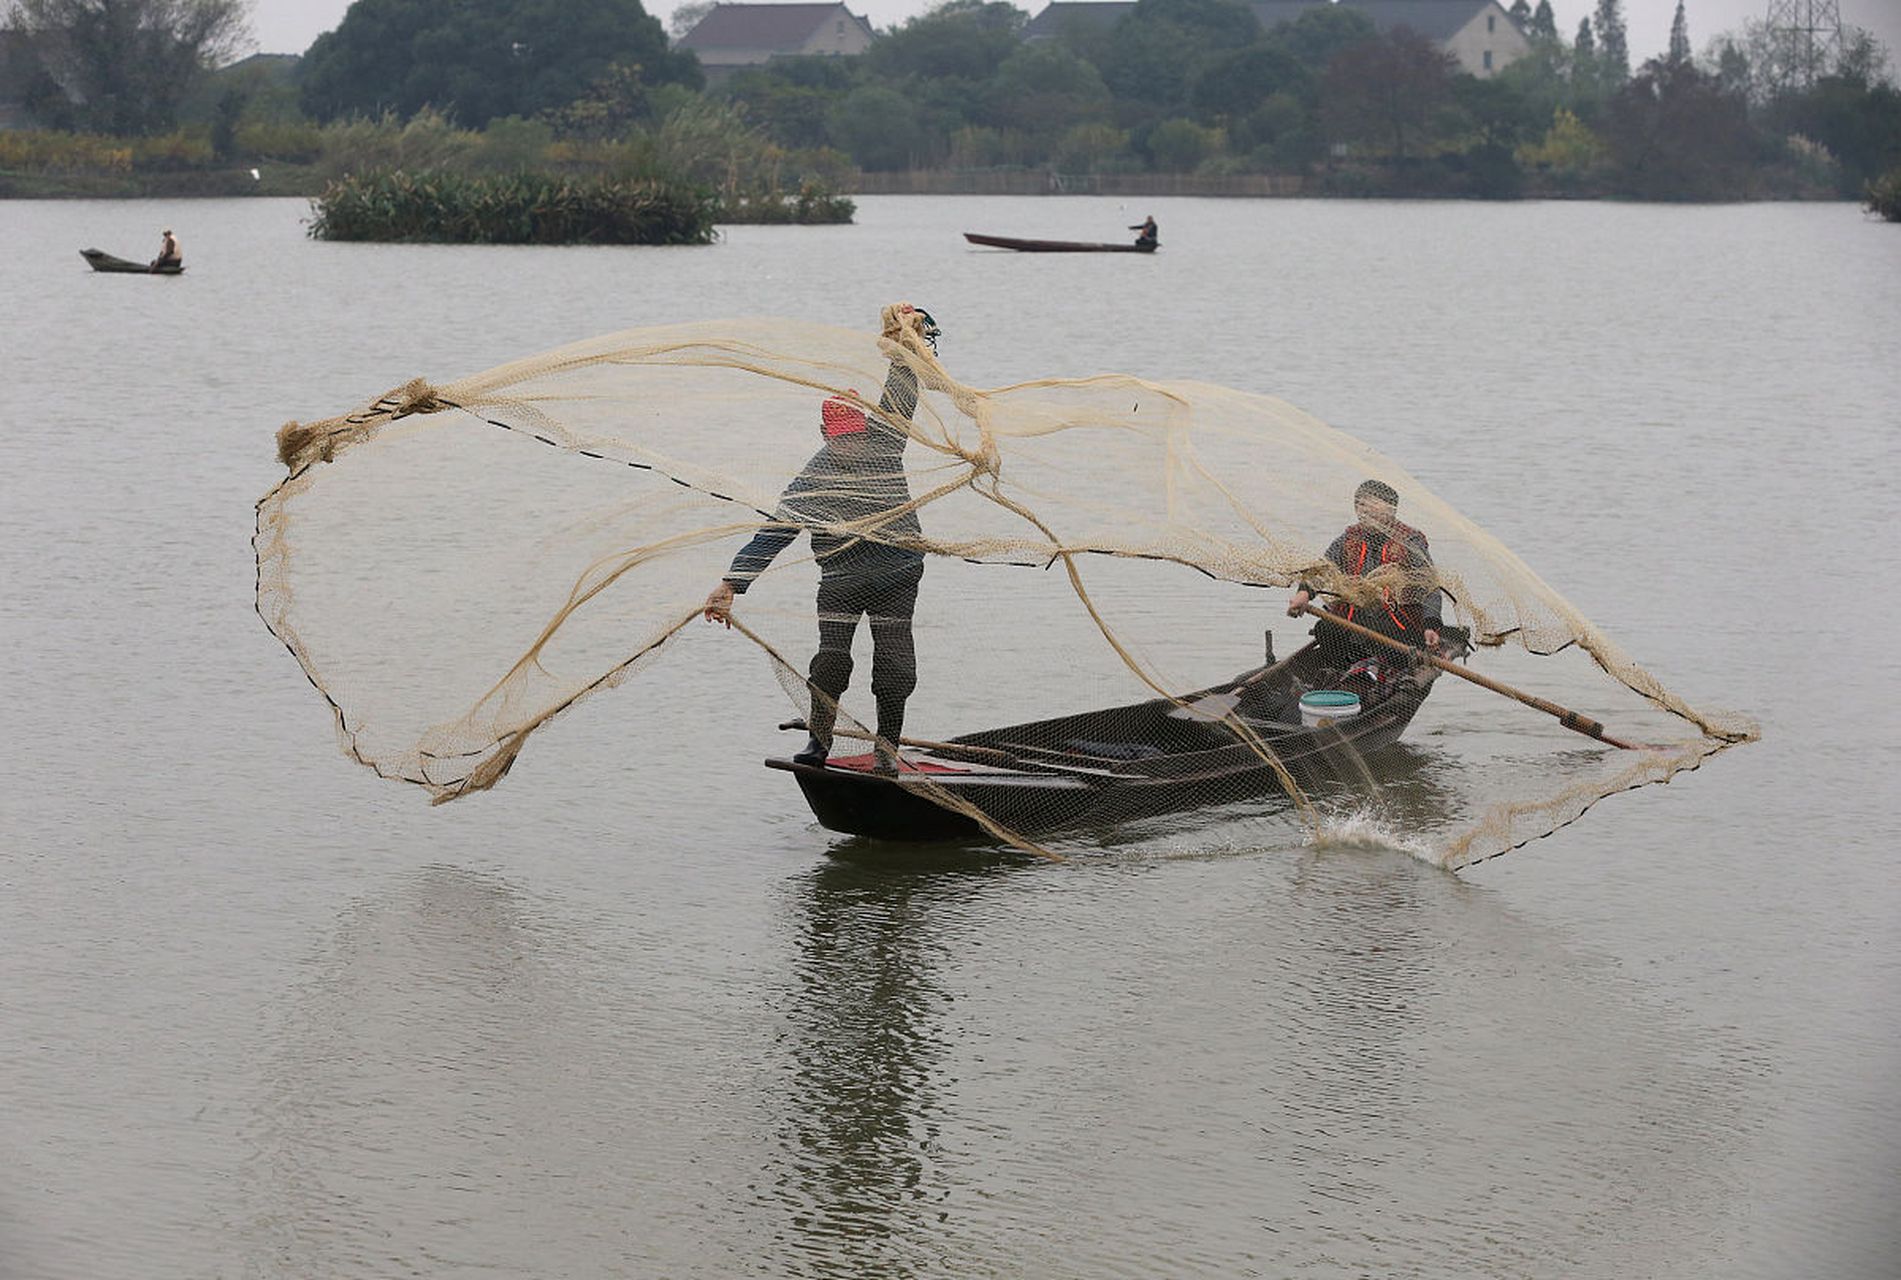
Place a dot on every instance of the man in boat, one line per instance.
(1408, 611)
(169, 256)
(1148, 234)
(855, 499)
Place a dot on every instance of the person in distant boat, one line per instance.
(1148, 234)
(855, 499)
(168, 253)
(1409, 612)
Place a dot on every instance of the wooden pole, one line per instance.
(1565, 716)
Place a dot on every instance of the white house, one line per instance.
(1478, 33)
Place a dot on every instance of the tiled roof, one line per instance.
(1093, 14)
(762, 26)
(1434, 19)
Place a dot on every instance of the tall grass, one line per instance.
(523, 208)
(50, 151)
(1884, 196)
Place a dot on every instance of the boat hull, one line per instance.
(1055, 246)
(1063, 775)
(99, 260)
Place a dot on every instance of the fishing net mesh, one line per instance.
(1079, 561)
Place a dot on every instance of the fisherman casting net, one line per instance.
(1034, 611)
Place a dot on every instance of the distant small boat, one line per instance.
(1056, 246)
(99, 260)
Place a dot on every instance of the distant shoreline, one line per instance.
(1360, 182)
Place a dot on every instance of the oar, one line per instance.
(1565, 716)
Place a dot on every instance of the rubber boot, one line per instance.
(818, 747)
(890, 729)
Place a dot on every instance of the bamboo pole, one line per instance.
(1565, 716)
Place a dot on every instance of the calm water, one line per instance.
(632, 1014)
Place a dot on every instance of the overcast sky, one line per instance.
(288, 26)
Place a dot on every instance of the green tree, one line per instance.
(1613, 45)
(1231, 85)
(1499, 114)
(1569, 151)
(1234, 84)
(479, 59)
(1679, 51)
(615, 102)
(1386, 90)
(1733, 71)
(877, 127)
(1155, 52)
(1859, 123)
(1542, 78)
(1544, 23)
(688, 16)
(960, 40)
(121, 66)
(1863, 59)
(1179, 146)
(1322, 33)
(224, 122)
(1087, 147)
(1675, 135)
(1278, 134)
(1043, 88)
(791, 98)
(1500, 111)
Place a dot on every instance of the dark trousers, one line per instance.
(888, 601)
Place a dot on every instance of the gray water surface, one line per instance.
(634, 1014)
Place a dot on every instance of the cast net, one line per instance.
(1030, 613)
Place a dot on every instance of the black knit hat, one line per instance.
(1377, 489)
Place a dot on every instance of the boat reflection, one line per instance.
(867, 1046)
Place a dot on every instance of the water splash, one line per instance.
(1369, 829)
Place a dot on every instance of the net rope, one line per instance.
(455, 564)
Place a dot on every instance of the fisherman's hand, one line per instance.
(719, 605)
(1432, 638)
(1298, 605)
(908, 328)
(898, 317)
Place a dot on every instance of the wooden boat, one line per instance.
(1056, 246)
(1101, 768)
(99, 260)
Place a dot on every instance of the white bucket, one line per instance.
(1323, 706)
